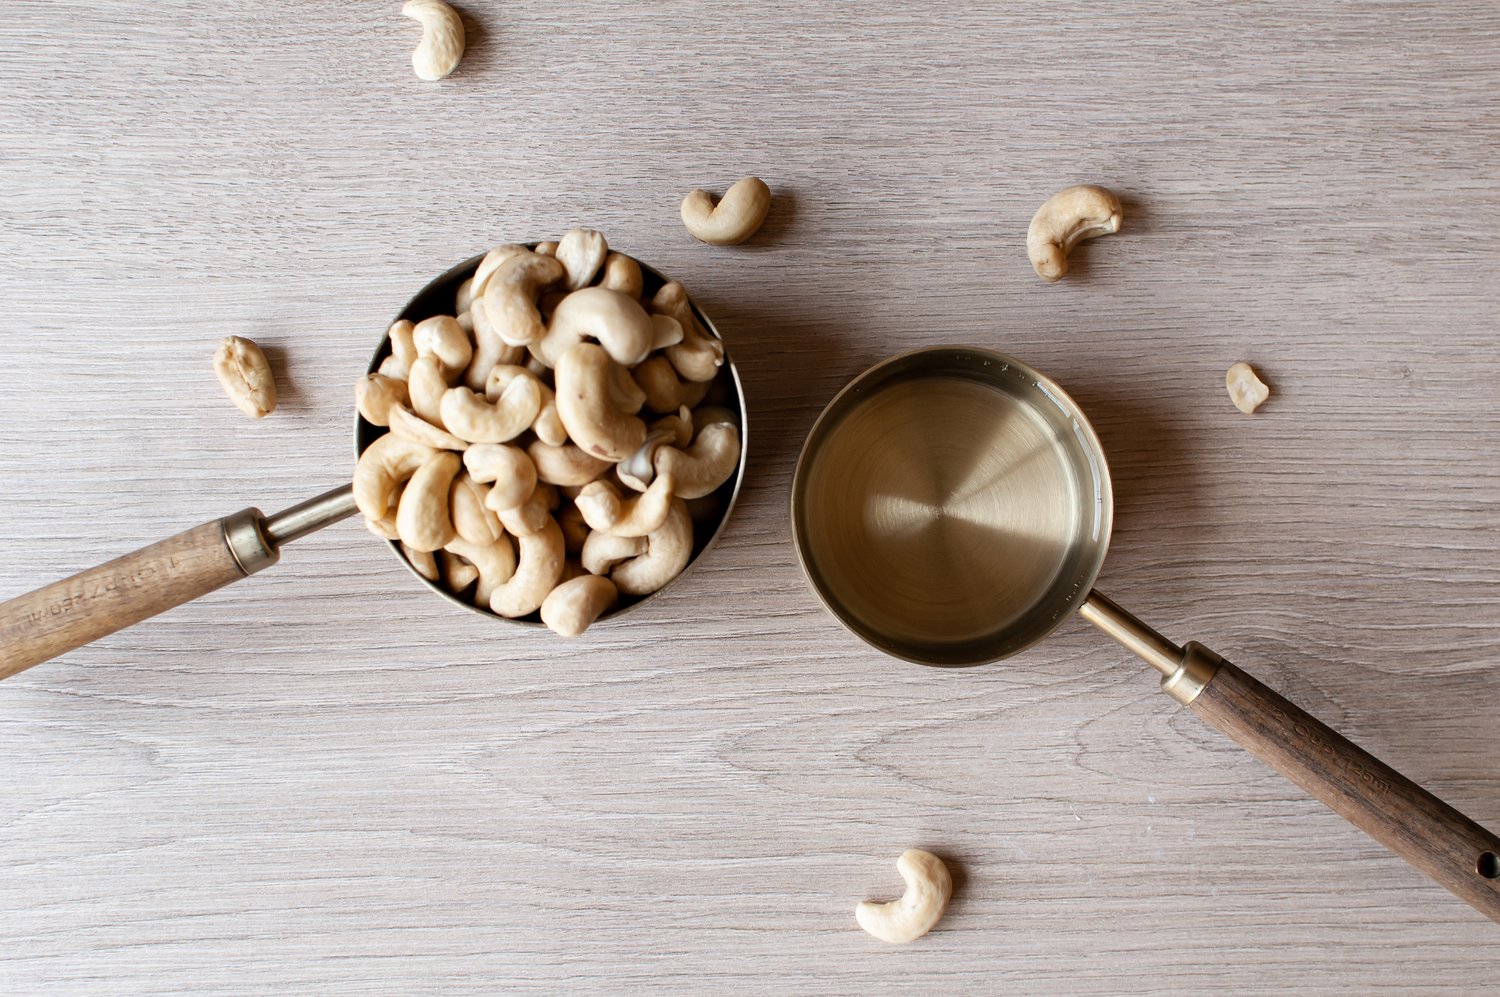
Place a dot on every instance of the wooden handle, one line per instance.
(1386, 805)
(70, 613)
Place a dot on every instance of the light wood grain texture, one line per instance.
(322, 780)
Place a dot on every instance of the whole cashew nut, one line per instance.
(458, 573)
(403, 351)
(491, 263)
(637, 516)
(735, 218)
(619, 323)
(496, 563)
(928, 889)
(1065, 219)
(426, 385)
(490, 350)
(383, 468)
(565, 464)
(637, 471)
(699, 356)
(407, 425)
(546, 249)
(532, 515)
(441, 336)
(705, 465)
(442, 44)
(572, 606)
(539, 566)
(668, 551)
(623, 274)
(472, 418)
(665, 391)
(584, 374)
(602, 551)
(511, 293)
(581, 252)
(423, 561)
(246, 376)
(375, 395)
(511, 471)
(474, 521)
(422, 518)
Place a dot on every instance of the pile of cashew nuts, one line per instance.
(545, 440)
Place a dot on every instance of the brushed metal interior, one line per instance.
(952, 506)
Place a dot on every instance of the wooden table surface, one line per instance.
(322, 780)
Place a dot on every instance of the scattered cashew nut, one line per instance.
(928, 889)
(736, 217)
(1065, 219)
(442, 44)
(1245, 388)
(572, 606)
(246, 376)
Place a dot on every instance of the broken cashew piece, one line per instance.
(928, 890)
(582, 252)
(619, 323)
(511, 293)
(473, 418)
(422, 518)
(734, 219)
(705, 465)
(1245, 388)
(442, 44)
(539, 565)
(1065, 219)
(383, 468)
(572, 606)
(410, 426)
(668, 551)
(246, 376)
(375, 395)
(637, 516)
(584, 374)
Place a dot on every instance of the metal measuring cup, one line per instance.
(67, 614)
(952, 506)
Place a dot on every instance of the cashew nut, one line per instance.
(472, 418)
(606, 512)
(458, 574)
(619, 323)
(375, 395)
(531, 515)
(422, 518)
(738, 214)
(602, 551)
(574, 530)
(511, 292)
(442, 43)
(668, 551)
(423, 561)
(546, 249)
(638, 470)
(665, 391)
(403, 351)
(705, 465)
(491, 263)
(408, 425)
(496, 563)
(426, 385)
(511, 471)
(572, 606)
(474, 521)
(699, 356)
(623, 274)
(668, 331)
(1245, 387)
(246, 376)
(385, 526)
(565, 464)
(463, 298)
(581, 252)
(1065, 219)
(624, 394)
(385, 465)
(441, 336)
(928, 889)
(489, 349)
(584, 375)
(539, 566)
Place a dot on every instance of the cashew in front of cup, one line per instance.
(246, 376)
(423, 518)
(928, 889)
(619, 323)
(1065, 219)
(706, 464)
(1245, 388)
(581, 252)
(565, 464)
(735, 218)
(511, 292)
(384, 467)
(668, 551)
(441, 336)
(572, 606)
(637, 516)
(442, 43)
(539, 565)
(375, 395)
(507, 469)
(473, 418)
(408, 425)
(583, 375)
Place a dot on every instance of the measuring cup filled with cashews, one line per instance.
(952, 506)
(473, 488)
